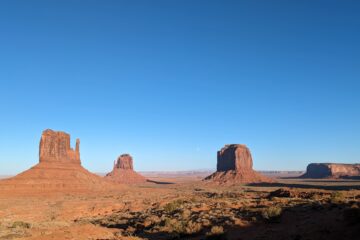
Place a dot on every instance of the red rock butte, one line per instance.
(332, 170)
(123, 171)
(235, 165)
(55, 148)
(59, 169)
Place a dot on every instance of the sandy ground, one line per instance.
(174, 207)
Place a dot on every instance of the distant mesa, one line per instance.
(332, 170)
(123, 171)
(59, 168)
(235, 165)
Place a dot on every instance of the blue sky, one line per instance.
(171, 82)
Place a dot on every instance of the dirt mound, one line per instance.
(332, 170)
(123, 171)
(59, 169)
(234, 165)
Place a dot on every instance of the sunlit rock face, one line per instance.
(234, 157)
(124, 161)
(55, 147)
(123, 171)
(235, 165)
(59, 169)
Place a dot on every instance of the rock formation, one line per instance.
(55, 147)
(123, 171)
(332, 170)
(125, 162)
(59, 168)
(235, 165)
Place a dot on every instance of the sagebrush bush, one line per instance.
(20, 224)
(337, 197)
(172, 206)
(216, 233)
(272, 214)
(182, 227)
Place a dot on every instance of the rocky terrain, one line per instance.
(58, 199)
(192, 210)
(332, 170)
(235, 165)
(59, 169)
(123, 171)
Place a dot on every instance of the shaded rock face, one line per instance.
(332, 170)
(124, 161)
(235, 165)
(55, 147)
(234, 157)
(123, 171)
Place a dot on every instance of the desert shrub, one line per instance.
(272, 214)
(352, 215)
(186, 214)
(217, 230)
(193, 200)
(337, 197)
(216, 233)
(172, 206)
(174, 225)
(192, 227)
(182, 227)
(20, 224)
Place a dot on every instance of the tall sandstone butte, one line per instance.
(235, 165)
(234, 157)
(59, 169)
(332, 170)
(55, 147)
(123, 171)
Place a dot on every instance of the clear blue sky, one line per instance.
(171, 82)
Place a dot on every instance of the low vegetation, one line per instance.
(337, 197)
(272, 214)
(20, 224)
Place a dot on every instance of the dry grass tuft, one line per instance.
(272, 214)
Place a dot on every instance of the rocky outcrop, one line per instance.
(55, 147)
(332, 170)
(235, 165)
(125, 162)
(123, 171)
(234, 157)
(59, 169)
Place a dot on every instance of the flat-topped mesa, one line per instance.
(332, 170)
(124, 161)
(55, 147)
(235, 165)
(234, 157)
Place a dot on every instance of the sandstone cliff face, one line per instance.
(235, 165)
(55, 147)
(332, 170)
(124, 161)
(123, 171)
(59, 169)
(234, 157)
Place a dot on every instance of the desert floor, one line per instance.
(183, 207)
